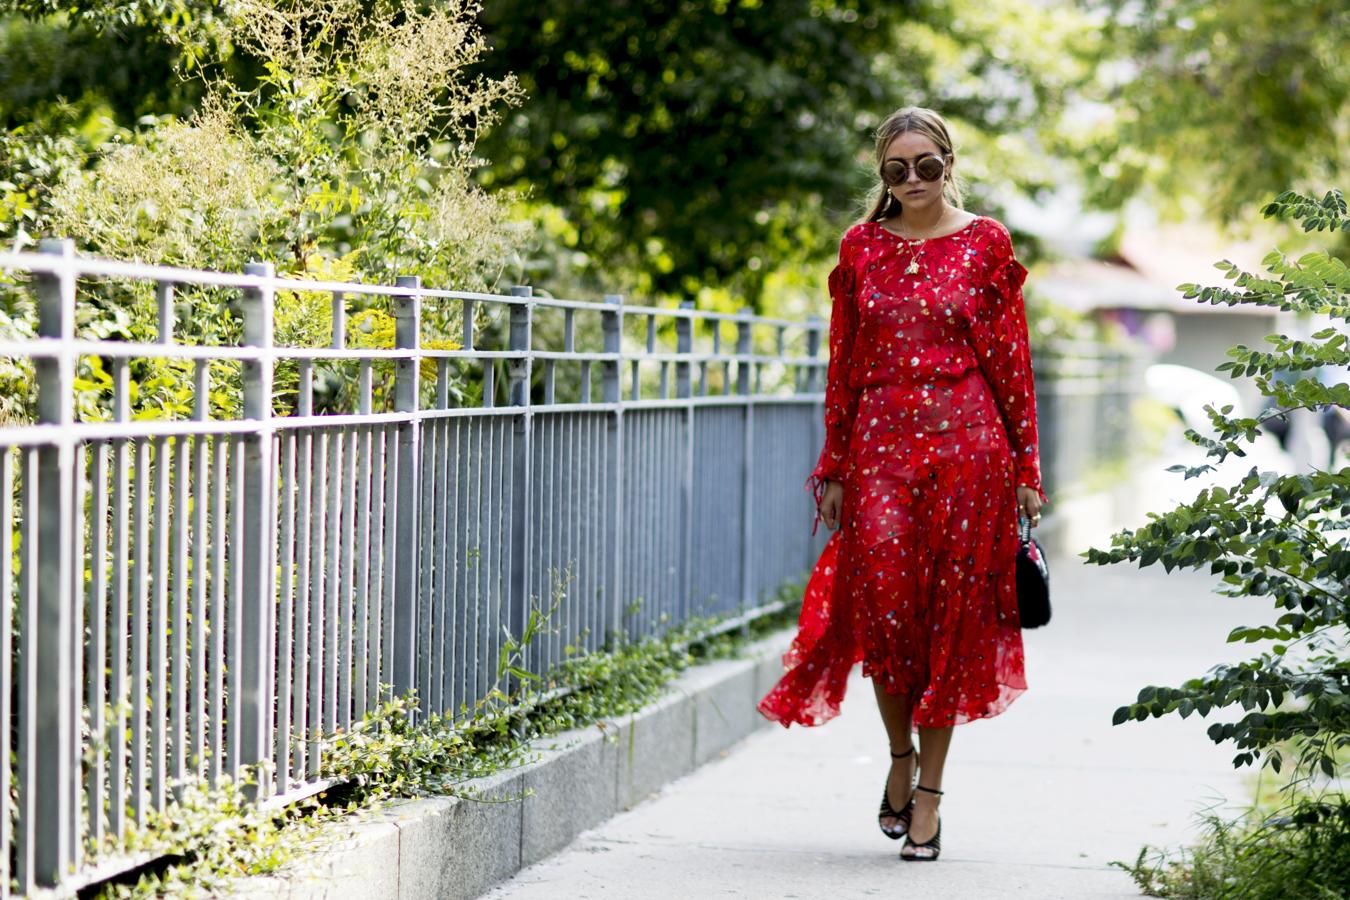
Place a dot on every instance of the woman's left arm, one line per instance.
(999, 335)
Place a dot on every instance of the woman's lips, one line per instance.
(913, 192)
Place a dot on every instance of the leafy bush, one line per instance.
(1270, 535)
(349, 159)
(1280, 537)
(357, 142)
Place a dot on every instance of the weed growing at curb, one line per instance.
(1299, 850)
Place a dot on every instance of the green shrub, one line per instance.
(1280, 537)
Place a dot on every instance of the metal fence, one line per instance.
(1084, 393)
(194, 594)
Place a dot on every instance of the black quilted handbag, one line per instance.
(1033, 578)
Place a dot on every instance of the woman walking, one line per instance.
(930, 455)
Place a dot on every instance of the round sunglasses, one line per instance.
(929, 167)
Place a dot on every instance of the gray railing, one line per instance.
(1084, 391)
(195, 594)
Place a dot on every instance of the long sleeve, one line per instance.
(841, 398)
(1000, 338)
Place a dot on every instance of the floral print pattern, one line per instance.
(930, 423)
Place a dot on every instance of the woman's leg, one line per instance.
(897, 714)
(933, 746)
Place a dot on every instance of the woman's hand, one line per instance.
(831, 502)
(1029, 503)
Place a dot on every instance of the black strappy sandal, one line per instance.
(934, 843)
(904, 815)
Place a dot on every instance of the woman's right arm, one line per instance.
(841, 399)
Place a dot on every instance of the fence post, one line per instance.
(407, 336)
(811, 384)
(611, 373)
(522, 488)
(684, 389)
(255, 705)
(743, 369)
(54, 802)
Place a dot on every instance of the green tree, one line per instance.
(1215, 105)
(694, 144)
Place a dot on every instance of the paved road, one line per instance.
(1038, 799)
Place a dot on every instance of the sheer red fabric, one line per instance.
(930, 423)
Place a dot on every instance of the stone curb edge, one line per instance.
(445, 847)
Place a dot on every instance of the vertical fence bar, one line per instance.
(521, 499)
(201, 542)
(747, 475)
(812, 383)
(255, 701)
(389, 438)
(497, 574)
(96, 649)
(318, 545)
(466, 475)
(494, 592)
(595, 525)
(6, 663)
(569, 503)
(178, 673)
(140, 603)
(364, 696)
(219, 583)
(332, 598)
(685, 345)
(441, 593)
(379, 566)
(75, 641)
(344, 610)
(285, 650)
(304, 553)
(54, 852)
(544, 492)
(456, 672)
(159, 607)
(427, 561)
(403, 600)
(234, 610)
(611, 374)
(26, 822)
(118, 694)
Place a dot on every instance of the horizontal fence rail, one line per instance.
(224, 548)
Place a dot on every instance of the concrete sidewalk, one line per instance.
(1038, 800)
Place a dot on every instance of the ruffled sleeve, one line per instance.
(1000, 338)
(841, 398)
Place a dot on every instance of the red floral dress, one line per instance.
(930, 423)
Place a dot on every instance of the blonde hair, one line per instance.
(931, 125)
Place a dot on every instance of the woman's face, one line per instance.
(914, 193)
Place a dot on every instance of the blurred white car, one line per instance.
(1187, 391)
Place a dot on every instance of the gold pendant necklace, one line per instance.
(913, 266)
